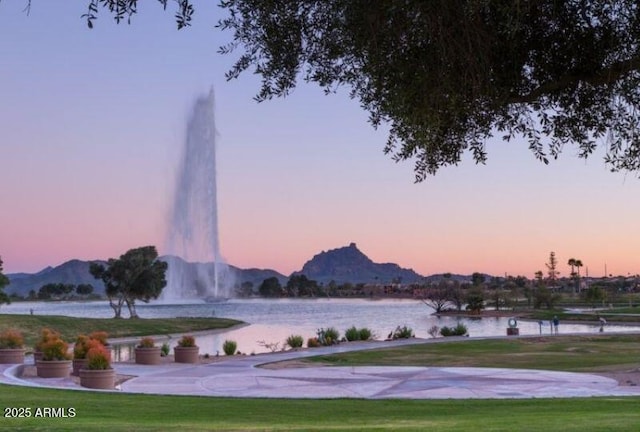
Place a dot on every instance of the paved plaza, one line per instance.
(241, 376)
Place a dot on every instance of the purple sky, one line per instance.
(92, 123)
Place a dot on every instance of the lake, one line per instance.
(271, 321)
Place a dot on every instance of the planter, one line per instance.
(11, 355)
(186, 354)
(104, 379)
(53, 368)
(148, 356)
(78, 364)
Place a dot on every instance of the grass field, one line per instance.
(98, 411)
(123, 412)
(594, 353)
(70, 327)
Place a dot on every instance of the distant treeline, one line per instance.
(61, 291)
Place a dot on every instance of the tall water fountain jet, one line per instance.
(196, 269)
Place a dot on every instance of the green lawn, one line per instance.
(122, 412)
(98, 411)
(565, 353)
(70, 327)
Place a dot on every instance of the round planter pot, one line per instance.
(104, 379)
(77, 365)
(186, 354)
(53, 368)
(148, 356)
(11, 355)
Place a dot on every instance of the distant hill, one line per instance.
(349, 264)
(77, 272)
(345, 264)
(238, 276)
(256, 276)
(74, 272)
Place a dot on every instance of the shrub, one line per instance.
(229, 347)
(98, 358)
(147, 342)
(80, 348)
(458, 330)
(352, 334)
(46, 334)
(295, 341)
(165, 349)
(187, 341)
(446, 331)
(332, 333)
(100, 336)
(433, 331)
(313, 342)
(461, 329)
(11, 339)
(329, 336)
(55, 349)
(365, 334)
(403, 332)
(271, 346)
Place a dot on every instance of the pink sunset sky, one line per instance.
(92, 124)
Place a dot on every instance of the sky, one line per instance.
(92, 124)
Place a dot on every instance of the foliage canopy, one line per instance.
(448, 75)
(136, 275)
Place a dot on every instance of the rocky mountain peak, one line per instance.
(349, 264)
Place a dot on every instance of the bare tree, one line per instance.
(435, 296)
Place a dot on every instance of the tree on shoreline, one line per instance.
(552, 268)
(575, 265)
(136, 275)
(436, 297)
(270, 287)
(4, 281)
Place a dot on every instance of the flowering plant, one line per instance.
(187, 341)
(11, 339)
(46, 334)
(55, 349)
(100, 336)
(81, 347)
(98, 358)
(146, 342)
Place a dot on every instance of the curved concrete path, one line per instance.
(240, 377)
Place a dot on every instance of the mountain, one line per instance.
(76, 272)
(189, 272)
(256, 276)
(349, 264)
(345, 264)
(73, 272)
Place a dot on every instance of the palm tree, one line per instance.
(572, 263)
(578, 264)
(575, 264)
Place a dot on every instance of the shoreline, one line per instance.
(526, 316)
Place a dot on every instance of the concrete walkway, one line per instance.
(240, 377)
